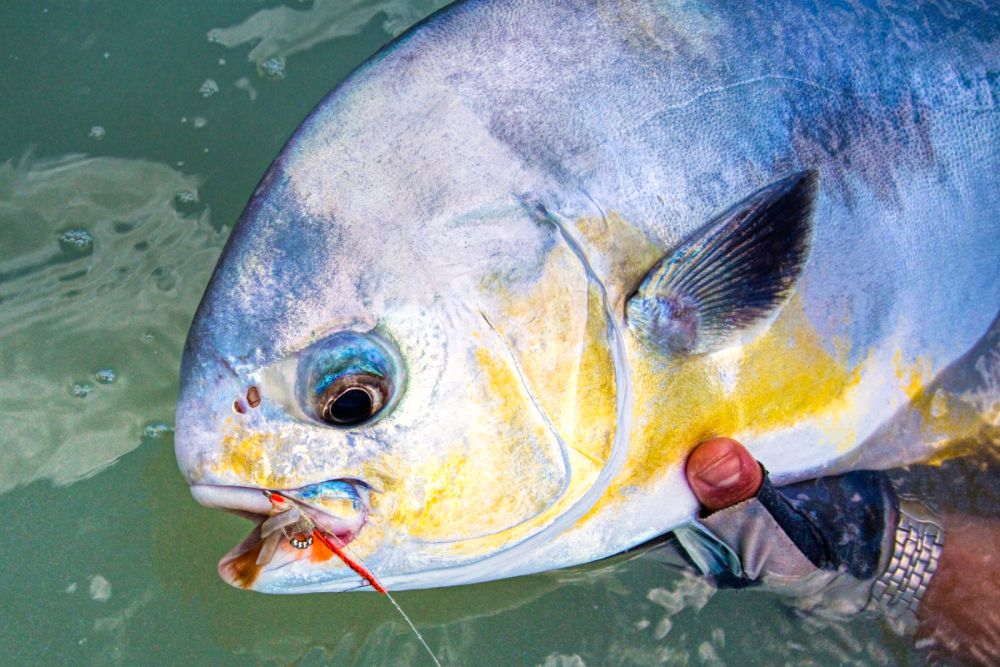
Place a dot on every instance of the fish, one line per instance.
(504, 277)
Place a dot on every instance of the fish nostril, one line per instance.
(252, 399)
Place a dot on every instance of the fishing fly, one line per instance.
(291, 522)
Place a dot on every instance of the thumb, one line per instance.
(722, 473)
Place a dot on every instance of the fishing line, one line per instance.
(402, 613)
(413, 627)
(366, 574)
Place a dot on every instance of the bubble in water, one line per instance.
(82, 389)
(187, 197)
(156, 430)
(76, 240)
(100, 588)
(187, 203)
(272, 68)
(97, 132)
(222, 61)
(214, 36)
(106, 376)
(209, 88)
(147, 338)
(199, 122)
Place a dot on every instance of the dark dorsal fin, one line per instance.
(732, 273)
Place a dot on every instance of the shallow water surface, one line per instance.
(133, 135)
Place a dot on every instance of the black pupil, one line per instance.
(351, 407)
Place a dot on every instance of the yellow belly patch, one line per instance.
(784, 376)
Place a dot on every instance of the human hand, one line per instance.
(722, 473)
(957, 617)
(819, 542)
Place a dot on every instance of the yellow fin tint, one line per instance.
(954, 424)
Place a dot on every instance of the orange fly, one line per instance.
(358, 568)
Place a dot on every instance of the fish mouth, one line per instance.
(295, 526)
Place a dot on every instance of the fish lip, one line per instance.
(253, 503)
(242, 500)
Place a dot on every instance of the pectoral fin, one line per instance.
(734, 272)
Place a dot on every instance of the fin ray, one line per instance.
(730, 274)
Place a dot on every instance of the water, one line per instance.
(132, 135)
(416, 631)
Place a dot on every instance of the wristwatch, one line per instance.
(916, 552)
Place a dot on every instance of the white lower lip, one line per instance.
(232, 498)
(245, 500)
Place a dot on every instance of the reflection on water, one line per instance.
(100, 261)
(279, 32)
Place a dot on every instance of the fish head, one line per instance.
(398, 341)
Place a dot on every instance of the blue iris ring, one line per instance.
(349, 379)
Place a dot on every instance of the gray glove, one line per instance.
(835, 546)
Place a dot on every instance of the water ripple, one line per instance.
(281, 31)
(102, 262)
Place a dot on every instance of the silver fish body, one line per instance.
(452, 238)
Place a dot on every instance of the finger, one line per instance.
(722, 472)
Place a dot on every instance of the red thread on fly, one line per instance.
(306, 526)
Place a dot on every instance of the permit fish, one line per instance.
(510, 272)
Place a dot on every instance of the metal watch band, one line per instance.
(915, 555)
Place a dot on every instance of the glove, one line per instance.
(834, 546)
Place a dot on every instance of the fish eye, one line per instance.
(349, 379)
(353, 399)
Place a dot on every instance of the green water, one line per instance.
(132, 134)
